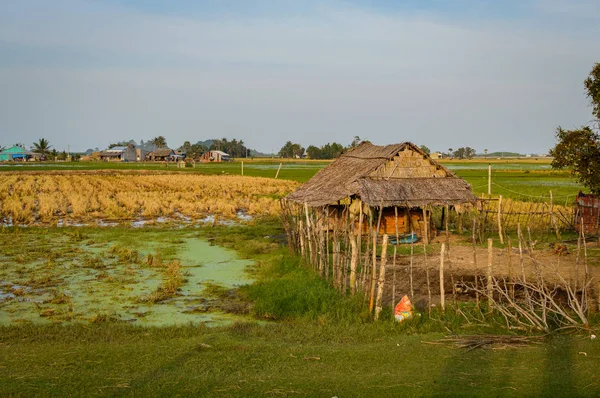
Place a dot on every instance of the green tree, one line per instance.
(42, 146)
(592, 86)
(185, 147)
(579, 149)
(196, 151)
(291, 150)
(313, 152)
(159, 142)
(425, 149)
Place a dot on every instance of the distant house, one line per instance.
(17, 153)
(215, 156)
(119, 154)
(161, 154)
(140, 154)
(437, 155)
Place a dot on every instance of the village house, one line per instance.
(215, 156)
(17, 153)
(161, 155)
(119, 154)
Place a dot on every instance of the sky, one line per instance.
(496, 75)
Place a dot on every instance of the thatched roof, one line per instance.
(392, 175)
(161, 152)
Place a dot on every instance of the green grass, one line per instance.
(315, 342)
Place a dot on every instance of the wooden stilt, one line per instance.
(381, 281)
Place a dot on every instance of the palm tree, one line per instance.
(42, 147)
(159, 142)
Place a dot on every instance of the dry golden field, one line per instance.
(46, 197)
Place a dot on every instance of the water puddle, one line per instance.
(121, 279)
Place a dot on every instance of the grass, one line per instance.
(314, 342)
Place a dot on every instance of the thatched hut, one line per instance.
(342, 220)
(399, 180)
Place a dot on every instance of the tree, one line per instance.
(195, 151)
(122, 143)
(579, 149)
(159, 142)
(185, 147)
(313, 152)
(592, 85)
(291, 150)
(425, 149)
(42, 147)
(356, 142)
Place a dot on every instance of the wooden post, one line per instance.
(353, 262)
(442, 291)
(301, 235)
(242, 168)
(381, 281)
(447, 210)
(373, 274)
(460, 223)
(308, 237)
(500, 220)
(510, 269)
(489, 179)
(427, 276)
(394, 261)
(521, 261)
(474, 241)
(412, 247)
(425, 227)
(490, 273)
(279, 168)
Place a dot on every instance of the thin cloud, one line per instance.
(88, 73)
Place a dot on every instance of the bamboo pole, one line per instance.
(394, 261)
(474, 240)
(367, 270)
(500, 220)
(374, 266)
(489, 179)
(373, 274)
(308, 235)
(447, 210)
(427, 276)
(360, 226)
(353, 263)
(301, 235)
(425, 227)
(521, 261)
(442, 291)
(327, 254)
(412, 247)
(242, 168)
(510, 269)
(381, 281)
(278, 169)
(490, 273)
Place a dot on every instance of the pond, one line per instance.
(55, 278)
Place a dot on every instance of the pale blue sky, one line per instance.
(485, 74)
